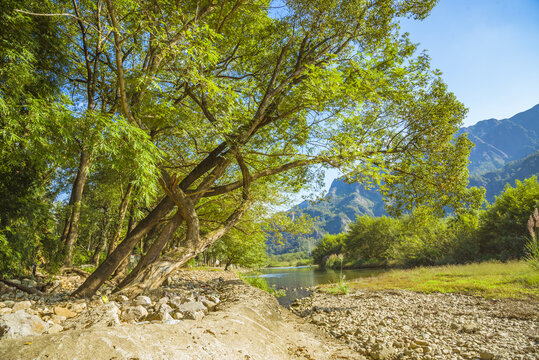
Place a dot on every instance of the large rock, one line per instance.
(22, 305)
(191, 307)
(19, 324)
(62, 311)
(102, 315)
(143, 300)
(134, 313)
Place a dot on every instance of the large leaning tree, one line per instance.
(244, 98)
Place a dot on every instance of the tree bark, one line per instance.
(155, 273)
(102, 237)
(101, 274)
(154, 251)
(69, 235)
(121, 216)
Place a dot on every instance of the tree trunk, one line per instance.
(154, 251)
(69, 236)
(102, 237)
(101, 274)
(121, 216)
(155, 273)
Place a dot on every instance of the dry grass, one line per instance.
(514, 279)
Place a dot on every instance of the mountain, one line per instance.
(495, 181)
(498, 142)
(505, 150)
(342, 204)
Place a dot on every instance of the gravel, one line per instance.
(397, 324)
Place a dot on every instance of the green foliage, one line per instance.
(532, 253)
(254, 279)
(503, 230)
(329, 245)
(422, 238)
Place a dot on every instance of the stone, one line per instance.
(101, 315)
(470, 328)
(62, 311)
(5, 310)
(158, 316)
(22, 305)
(178, 316)
(143, 300)
(55, 328)
(192, 307)
(164, 308)
(20, 324)
(485, 355)
(193, 315)
(176, 301)
(214, 298)
(57, 319)
(29, 283)
(134, 313)
(79, 307)
(383, 353)
(210, 305)
(122, 298)
(421, 342)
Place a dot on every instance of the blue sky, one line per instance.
(488, 51)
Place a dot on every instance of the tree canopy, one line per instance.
(208, 107)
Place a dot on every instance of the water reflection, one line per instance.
(296, 280)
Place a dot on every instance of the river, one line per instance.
(296, 280)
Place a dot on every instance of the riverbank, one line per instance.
(197, 314)
(401, 324)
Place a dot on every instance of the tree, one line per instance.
(241, 104)
(503, 227)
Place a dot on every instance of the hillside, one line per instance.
(498, 142)
(495, 181)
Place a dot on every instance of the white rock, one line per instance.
(134, 313)
(19, 324)
(143, 300)
(22, 305)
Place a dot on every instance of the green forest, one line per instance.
(503, 231)
(172, 130)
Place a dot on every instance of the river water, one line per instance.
(296, 280)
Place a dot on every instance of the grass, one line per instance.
(515, 279)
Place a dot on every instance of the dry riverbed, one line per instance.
(195, 315)
(399, 324)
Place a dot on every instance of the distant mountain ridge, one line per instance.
(498, 142)
(504, 150)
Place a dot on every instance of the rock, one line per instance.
(5, 310)
(178, 316)
(79, 307)
(101, 315)
(122, 298)
(55, 328)
(143, 300)
(61, 311)
(57, 319)
(210, 305)
(470, 328)
(193, 315)
(485, 355)
(158, 316)
(19, 324)
(176, 301)
(192, 306)
(134, 313)
(29, 283)
(22, 305)
(214, 298)
(164, 308)
(421, 342)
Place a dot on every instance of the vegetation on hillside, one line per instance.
(421, 238)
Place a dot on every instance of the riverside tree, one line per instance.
(232, 100)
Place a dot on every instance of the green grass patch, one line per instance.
(253, 278)
(515, 279)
